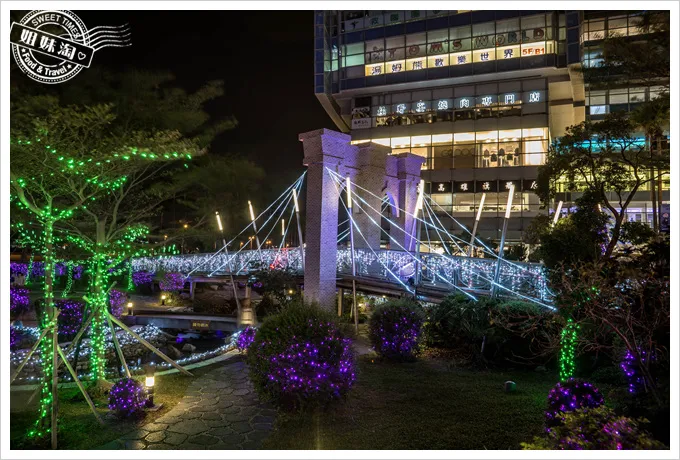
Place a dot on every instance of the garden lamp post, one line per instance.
(150, 383)
(163, 297)
(130, 305)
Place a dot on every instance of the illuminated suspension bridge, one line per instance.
(411, 264)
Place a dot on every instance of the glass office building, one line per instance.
(479, 94)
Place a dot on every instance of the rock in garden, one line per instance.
(189, 347)
(174, 352)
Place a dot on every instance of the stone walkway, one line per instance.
(220, 410)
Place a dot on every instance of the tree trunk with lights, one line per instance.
(48, 394)
(98, 301)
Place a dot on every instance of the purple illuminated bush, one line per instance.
(172, 282)
(569, 396)
(245, 338)
(127, 397)
(117, 301)
(17, 268)
(14, 337)
(70, 317)
(395, 329)
(595, 429)
(631, 369)
(18, 300)
(142, 278)
(300, 358)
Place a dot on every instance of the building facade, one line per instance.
(479, 94)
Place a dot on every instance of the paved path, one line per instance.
(220, 410)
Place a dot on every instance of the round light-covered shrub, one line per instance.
(172, 282)
(18, 300)
(70, 317)
(245, 338)
(300, 357)
(569, 396)
(595, 429)
(395, 329)
(117, 301)
(14, 337)
(141, 278)
(127, 397)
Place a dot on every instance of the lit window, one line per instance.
(598, 109)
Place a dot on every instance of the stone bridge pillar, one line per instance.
(403, 188)
(365, 164)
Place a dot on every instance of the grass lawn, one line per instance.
(78, 429)
(423, 405)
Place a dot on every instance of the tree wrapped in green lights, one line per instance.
(92, 167)
(60, 165)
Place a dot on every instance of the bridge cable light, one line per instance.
(257, 238)
(301, 243)
(355, 308)
(474, 227)
(501, 247)
(225, 245)
(557, 213)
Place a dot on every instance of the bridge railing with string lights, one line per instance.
(410, 267)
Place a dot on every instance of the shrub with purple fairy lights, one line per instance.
(395, 329)
(630, 365)
(300, 357)
(127, 397)
(18, 300)
(142, 278)
(14, 337)
(245, 338)
(18, 268)
(172, 282)
(70, 317)
(596, 429)
(38, 269)
(117, 301)
(569, 396)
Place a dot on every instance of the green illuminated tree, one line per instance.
(67, 162)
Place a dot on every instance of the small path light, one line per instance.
(150, 384)
(163, 297)
(130, 306)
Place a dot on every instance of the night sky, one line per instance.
(265, 59)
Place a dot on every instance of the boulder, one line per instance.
(174, 352)
(189, 348)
